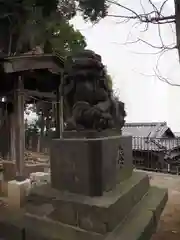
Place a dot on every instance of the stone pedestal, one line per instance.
(90, 166)
(93, 194)
(97, 214)
(78, 217)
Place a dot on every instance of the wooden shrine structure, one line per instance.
(26, 79)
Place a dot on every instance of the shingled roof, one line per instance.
(150, 130)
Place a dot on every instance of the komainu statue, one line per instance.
(88, 96)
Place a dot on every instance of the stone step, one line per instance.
(11, 224)
(97, 214)
(20, 225)
(141, 223)
(42, 228)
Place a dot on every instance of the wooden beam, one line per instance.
(38, 94)
(32, 62)
(29, 94)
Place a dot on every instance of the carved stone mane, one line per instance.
(88, 96)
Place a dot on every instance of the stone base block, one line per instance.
(12, 224)
(140, 220)
(140, 223)
(46, 229)
(96, 214)
(17, 192)
(90, 166)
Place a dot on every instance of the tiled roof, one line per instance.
(156, 129)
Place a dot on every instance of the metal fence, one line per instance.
(156, 154)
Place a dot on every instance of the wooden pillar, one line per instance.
(4, 133)
(61, 105)
(20, 128)
(58, 127)
(12, 136)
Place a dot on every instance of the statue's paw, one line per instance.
(70, 124)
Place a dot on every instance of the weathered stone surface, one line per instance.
(89, 166)
(11, 225)
(155, 201)
(30, 234)
(40, 210)
(139, 224)
(142, 221)
(51, 230)
(97, 214)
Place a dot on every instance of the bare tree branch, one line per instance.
(157, 73)
(160, 76)
(162, 6)
(154, 16)
(163, 47)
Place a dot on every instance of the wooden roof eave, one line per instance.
(32, 62)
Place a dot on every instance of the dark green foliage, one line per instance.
(93, 9)
(24, 24)
(62, 37)
(47, 6)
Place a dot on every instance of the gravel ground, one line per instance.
(169, 225)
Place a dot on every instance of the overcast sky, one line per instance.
(132, 65)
